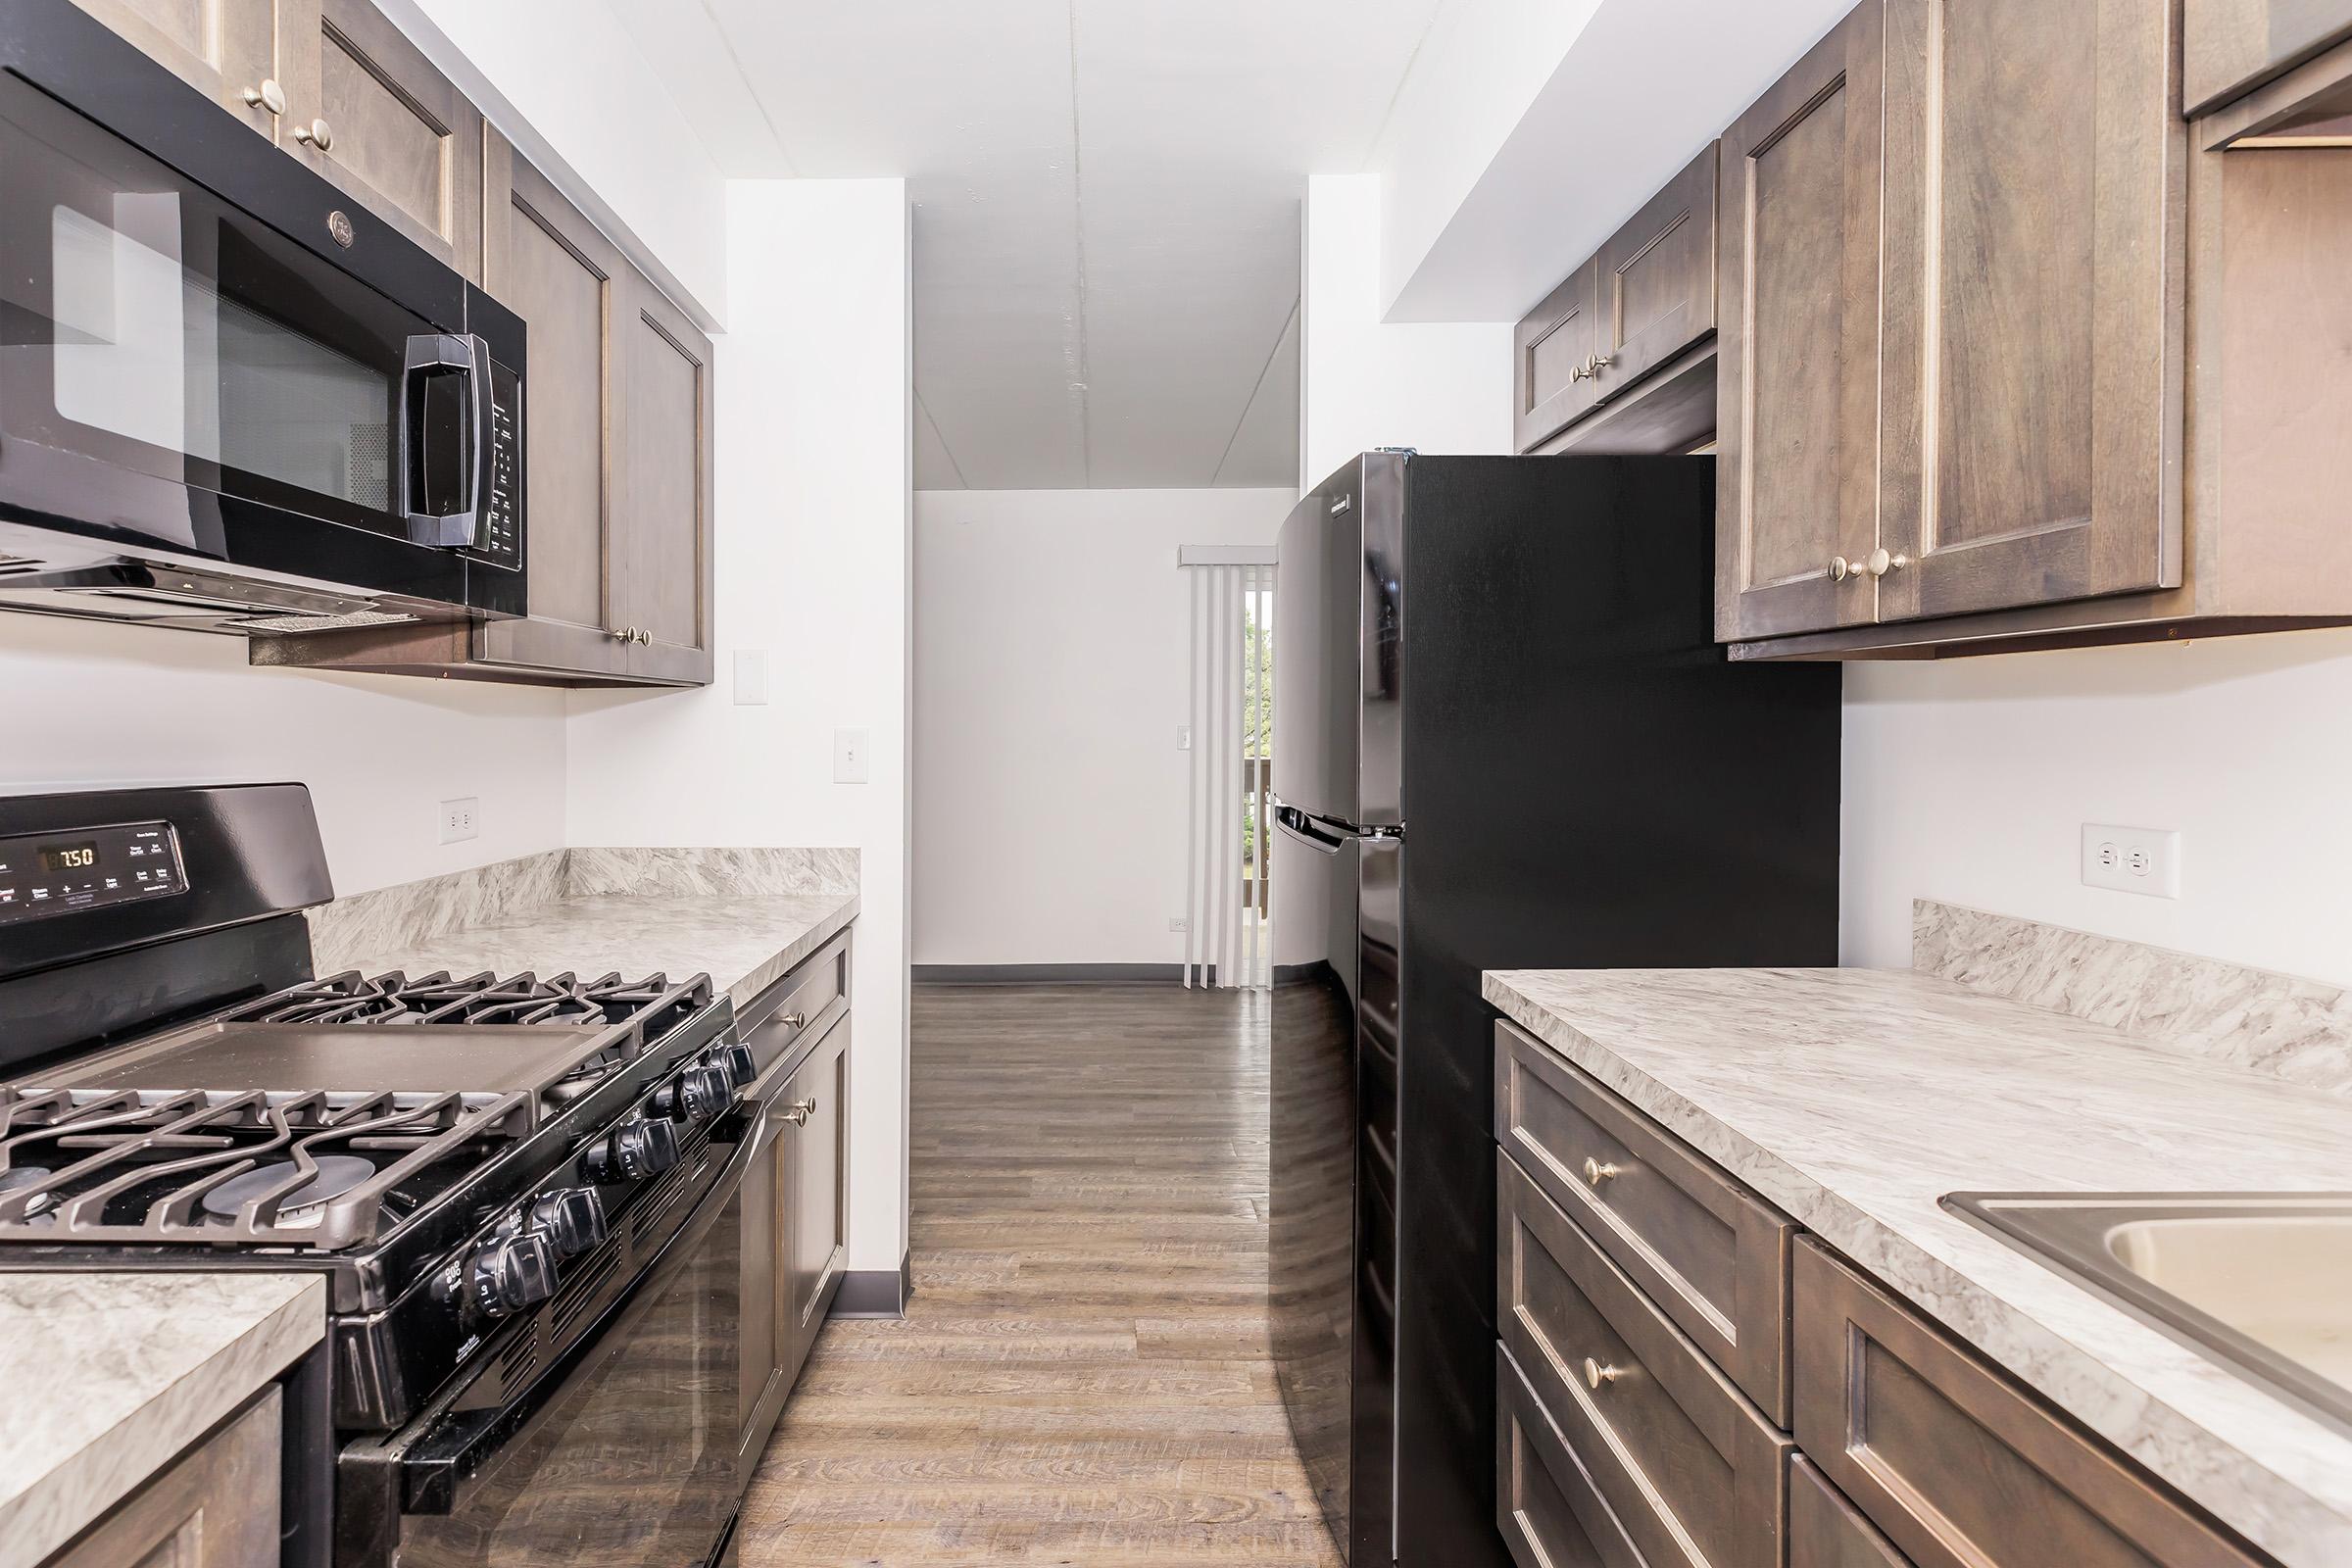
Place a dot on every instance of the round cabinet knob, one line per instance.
(637, 1149)
(800, 1111)
(1596, 1374)
(1879, 562)
(318, 133)
(1840, 569)
(1598, 1171)
(508, 1276)
(572, 1220)
(268, 95)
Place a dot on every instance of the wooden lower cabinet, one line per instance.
(1548, 1511)
(216, 1506)
(1825, 1531)
(793, 1208)
(1957, 1467)
(1693, 1475)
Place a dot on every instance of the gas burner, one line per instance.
(562, 999)
(333, 1176)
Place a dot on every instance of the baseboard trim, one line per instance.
(875, 1291)
(1045, 974)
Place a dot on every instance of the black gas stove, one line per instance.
(489, 1170)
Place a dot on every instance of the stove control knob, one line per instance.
(694, 1096)
(572, 1219)
(508, 1276)
(737, 1064)
(634, 1150)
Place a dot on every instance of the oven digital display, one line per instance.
(44, 874)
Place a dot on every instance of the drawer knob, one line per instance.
(792, 1020)
(318, 133)
(1598, 1171)
(800, 1111)
(1595, 1374)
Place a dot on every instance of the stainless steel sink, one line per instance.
(2261, 1281)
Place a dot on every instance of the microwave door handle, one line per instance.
(431, 356)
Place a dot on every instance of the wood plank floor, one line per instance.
(1082, 1376)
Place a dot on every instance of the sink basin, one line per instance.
(2260, 1282)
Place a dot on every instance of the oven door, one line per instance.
(620, 1456)
(181, 381)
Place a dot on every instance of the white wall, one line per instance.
(571, 88)
(1365, 383)
(813, 520)
(1051, 648)
(87, 704)
(1969, 782)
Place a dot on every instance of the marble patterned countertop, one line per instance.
(1855, 1099)
(110, 1376)
(743, 916)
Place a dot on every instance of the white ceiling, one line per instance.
(1106, 203)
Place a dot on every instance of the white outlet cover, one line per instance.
(2132, 859)
(849, 755)
(751, 677)
(1177, 922)
(461, 819)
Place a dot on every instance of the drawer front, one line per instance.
(1825, 1531)
(782, 1016)
(1545, 1503)
(1959, 1468)
(1709, 1253)
(1696, 1476)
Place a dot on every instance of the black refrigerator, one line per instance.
(1504, 737)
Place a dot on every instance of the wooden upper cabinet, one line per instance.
(660, 580)
(2031, 357)
(2228, 46)
(1797, 350)
(1551, 380)
(227, 48)
(1654, 281)
(543, 261)
(367, 110)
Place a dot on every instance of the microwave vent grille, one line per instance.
(286, 625)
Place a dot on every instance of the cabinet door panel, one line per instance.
(220, 47)
(1656, 279)
(820, 1092)
(1550, 349)
(402, 139)
(1798, 367)
(660, 543)
(2032, 411)
(548, 264)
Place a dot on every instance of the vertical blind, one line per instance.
(1228, 942)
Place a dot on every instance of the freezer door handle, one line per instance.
(1306, 830)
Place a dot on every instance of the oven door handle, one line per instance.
(434, 358)
(452, 1455)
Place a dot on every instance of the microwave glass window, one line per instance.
(147, 349)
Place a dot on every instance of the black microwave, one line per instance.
(230, 398)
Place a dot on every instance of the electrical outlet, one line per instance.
(1177, 922)
(2132, 859)
(849, 756)
(461, 819)
(1184, 737)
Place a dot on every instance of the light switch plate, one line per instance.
(849, 756)
(751, 677)
(2132, 859)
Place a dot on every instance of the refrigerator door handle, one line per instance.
(1306, 830)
